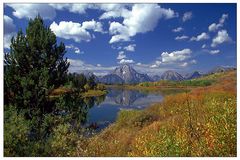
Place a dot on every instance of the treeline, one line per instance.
(82, 83)
(185, 83)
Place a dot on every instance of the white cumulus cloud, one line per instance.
(140, 19)
(93, 25)
(214, 27)
(221, 37)
(79, 8)
(130, 48)
(202, 36)
(31, 10)
(183, 37)
(121, 55)
(179, 29)
(174, 59)
(119, 32)
(126, 61)
(223, 18)
(76, 31)
(176, 56)
(185, 64)
(214, 51)
(113, 10)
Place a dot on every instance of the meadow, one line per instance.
(202, 122)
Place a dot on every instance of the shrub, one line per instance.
(87, 87)
(16, 131)
(63, 141)
(100, 87)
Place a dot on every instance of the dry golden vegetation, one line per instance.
(98, 91)
(198, 123)
(60, 91)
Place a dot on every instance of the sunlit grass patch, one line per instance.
(60, 91)
(92, 93)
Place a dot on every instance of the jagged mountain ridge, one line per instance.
(130, 75)
(192, 75)
(221, 69)
(172, 75)
(126, 74)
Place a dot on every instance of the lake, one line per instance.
(105, 113)
(92, 113)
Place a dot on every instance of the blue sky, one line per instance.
(152, 38)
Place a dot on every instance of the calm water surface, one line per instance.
(105, 113)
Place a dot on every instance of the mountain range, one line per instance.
(126, 74)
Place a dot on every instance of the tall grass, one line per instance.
(200, 123)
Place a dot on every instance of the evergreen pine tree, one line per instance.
(34, 66)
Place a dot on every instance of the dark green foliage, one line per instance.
(100, 99)
(80, 83)
(52, 133)
(91, 82)
(193, 82)
(74, 106)
(77, 81)
(34, 66)
(196, 82)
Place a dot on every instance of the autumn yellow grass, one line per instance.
(198, 123)
(90, 93)
(93, 93)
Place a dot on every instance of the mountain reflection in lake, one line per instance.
(105, 113)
